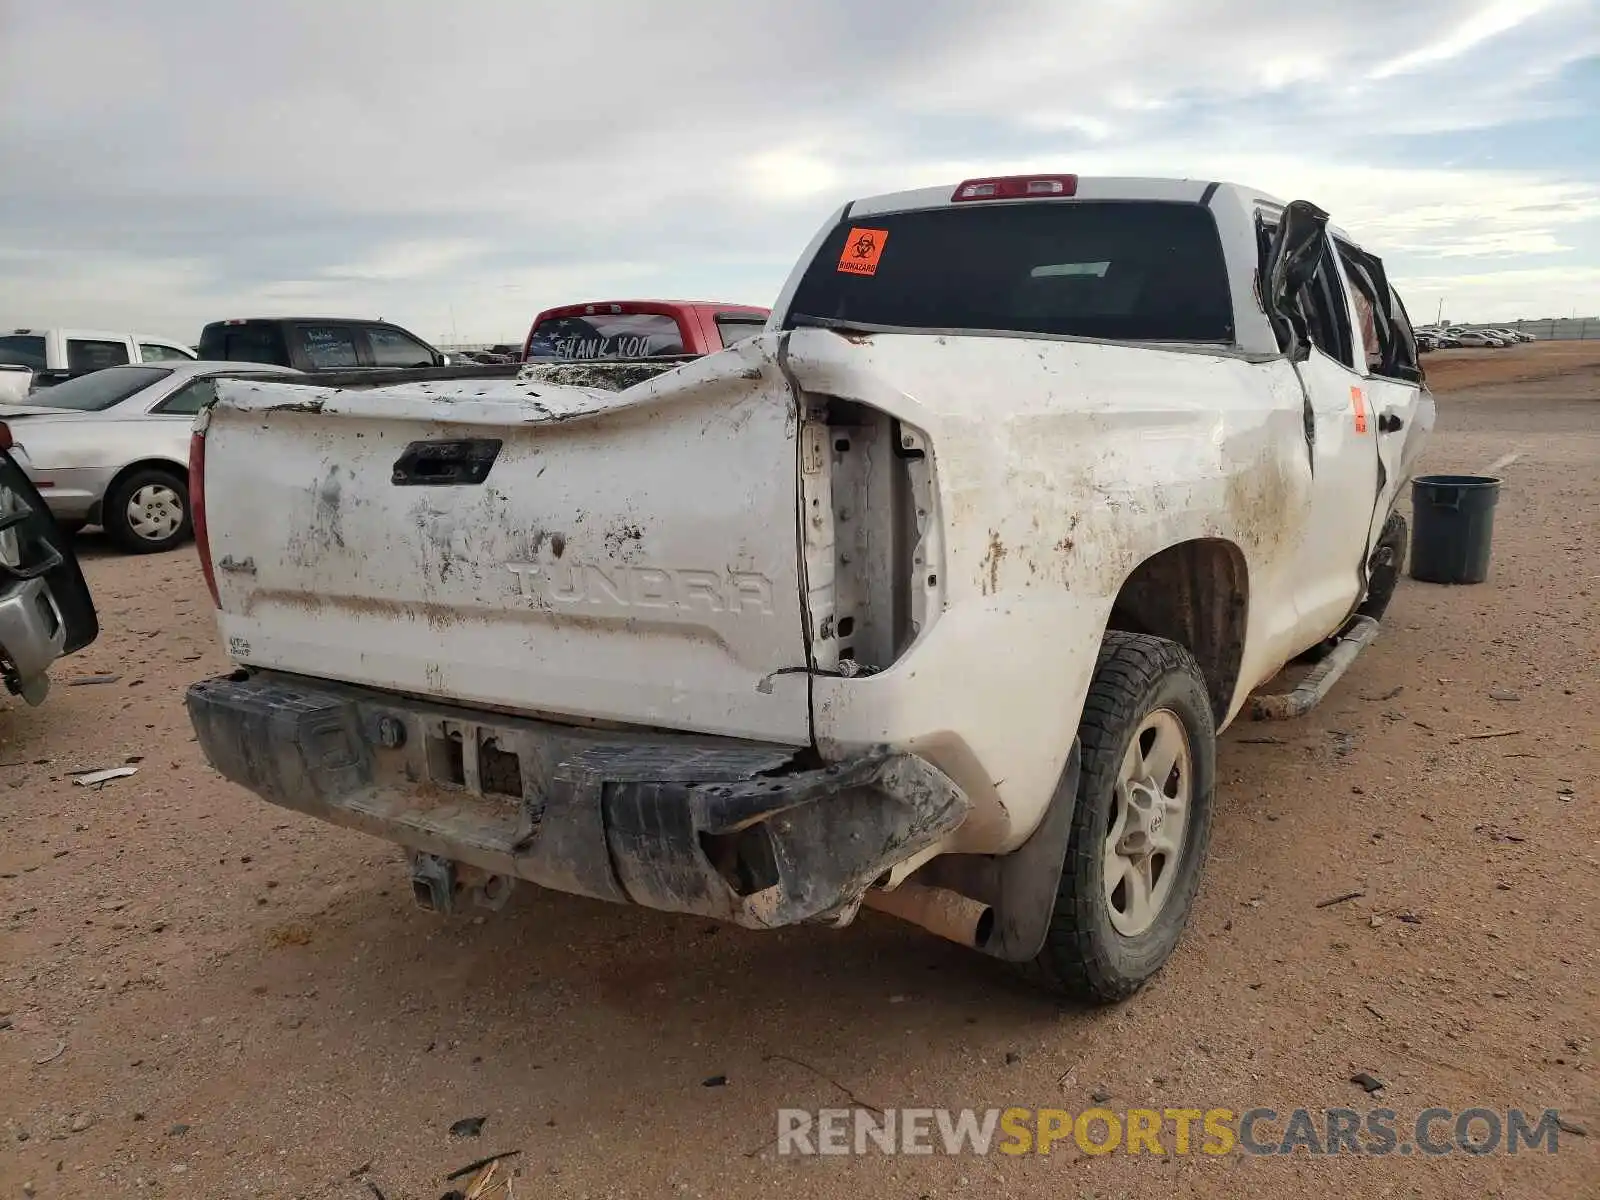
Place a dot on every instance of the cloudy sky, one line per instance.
(457, 166)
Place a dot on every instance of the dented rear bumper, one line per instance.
(726, 829)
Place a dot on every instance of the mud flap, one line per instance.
(1020, 887)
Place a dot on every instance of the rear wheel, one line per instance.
(1141, 824)
(148, 512)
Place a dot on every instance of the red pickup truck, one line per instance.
(639, 329)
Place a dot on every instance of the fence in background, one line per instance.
(1561, 329)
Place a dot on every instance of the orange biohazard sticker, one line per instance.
(862, 250)
(1359, 399)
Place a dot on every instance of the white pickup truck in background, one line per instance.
(56, 354)
(933, 597)
(16, 381)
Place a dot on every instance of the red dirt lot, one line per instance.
(205, 996)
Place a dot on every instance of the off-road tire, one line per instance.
(1084, 958)
(1388, 561)
(114, 513)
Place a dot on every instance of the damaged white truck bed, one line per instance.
(933, 597)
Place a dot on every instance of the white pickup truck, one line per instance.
(16, 382)
(31, 358)
(932, 597)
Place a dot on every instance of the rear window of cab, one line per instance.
(23, 350)
(244, 341)
(1122, 270)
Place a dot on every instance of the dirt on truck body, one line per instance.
(933, 597)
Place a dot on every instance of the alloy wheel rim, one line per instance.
(155, 512)
(1145, 841)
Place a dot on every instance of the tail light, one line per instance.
(1016, 187)
(5, 436)
(197, 510)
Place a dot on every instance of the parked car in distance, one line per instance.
(112, 448)
(1476, 338)
(45, 607)
(1511, 337)
(615, 329)
(57, 354)
(317, 344)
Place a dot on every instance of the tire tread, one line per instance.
(1074, 962)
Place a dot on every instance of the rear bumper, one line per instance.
(722, 828)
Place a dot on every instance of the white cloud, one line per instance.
(167, 164)
(413, 260)
(116, 291)
(787, 173)
(1468, 31)
(1507, 295)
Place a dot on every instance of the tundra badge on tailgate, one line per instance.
(622, 586)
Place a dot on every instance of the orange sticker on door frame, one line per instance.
(1359, 400)
(862, 250)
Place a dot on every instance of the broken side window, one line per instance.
(1318, 305)
(1394, 354)
(1327, 314)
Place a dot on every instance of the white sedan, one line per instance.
(111, 448)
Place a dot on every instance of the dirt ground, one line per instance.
(203, 995)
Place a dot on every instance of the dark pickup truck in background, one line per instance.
(317, 344)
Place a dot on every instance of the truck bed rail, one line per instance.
(620, 372)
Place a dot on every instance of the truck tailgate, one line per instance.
(629, 557)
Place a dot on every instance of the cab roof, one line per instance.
(1082, 187)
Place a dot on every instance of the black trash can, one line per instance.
(1452, 527)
